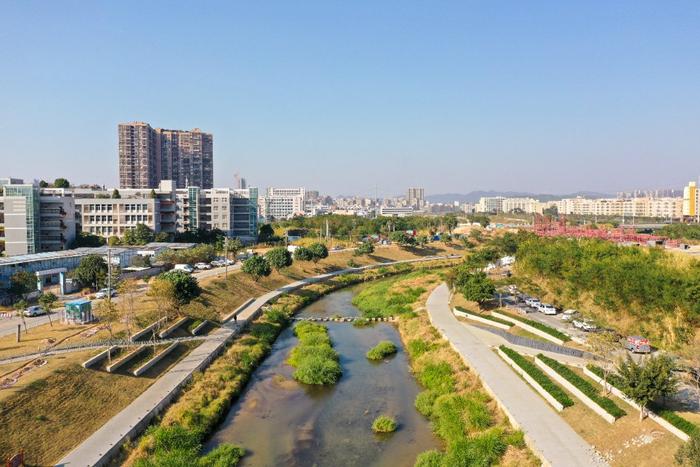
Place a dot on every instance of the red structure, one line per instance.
(547, 227)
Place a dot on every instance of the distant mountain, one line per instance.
(473, 196)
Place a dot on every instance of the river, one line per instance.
(280, 422)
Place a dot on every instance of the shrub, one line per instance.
(425, 400)
(314, 359)
(488, 317)
(480, 450)
(431, 458)
(584, 386)
(676, 420)
(224, 455)
(543, 380)
(384, 424)
(437, 376)
(317, 370)
(417, 347)
(382, 350)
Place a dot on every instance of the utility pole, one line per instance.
(109, 273)
(226, 257)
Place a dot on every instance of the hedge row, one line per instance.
(539, 376)
(542, 327)
(584, 386)
(673, 418)
(488, 317)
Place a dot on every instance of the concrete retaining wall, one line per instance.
(480, 319)
(125, 359)
(542, 391)
(528, 328)
(146, 366)
(99, 357)
(146, 330)
(171, 329)
(576, 391)
(664, 423)
(238, 310)
(199, 327)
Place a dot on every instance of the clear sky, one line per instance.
(345, 96)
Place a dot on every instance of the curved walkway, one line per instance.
(104, 444)
(547, 434)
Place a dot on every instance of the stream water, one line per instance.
(280, 422)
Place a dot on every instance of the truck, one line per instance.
(638, 344)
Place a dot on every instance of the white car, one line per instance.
(184, 268)
(35, 310)
(547, 309)
(202, 266)
(568, 315)
(585, 325)
(532, 302)
(104, 293)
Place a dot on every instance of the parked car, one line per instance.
(202, 266)
(104, 293)
(34, 310)
(568, 315)
(638, 344)
(228, 262)
(217, 263)
(547, 309)
(184, 268)
(532, 302)
(585, 325)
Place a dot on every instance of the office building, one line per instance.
(396, 211)
(282, 203)
(149, 155)
(691, 196)
(32, 222)
(490, 204)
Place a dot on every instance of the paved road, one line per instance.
(547, 434)
(103, 444)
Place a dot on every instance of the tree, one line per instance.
(257, 267)
(422, 241)
(47, 302)
(691, 360)
(139, 235)
(186, 285)
(108, 313)
(402, 238)
(128, 290)
(446, 238)
(318, 251)
(113, 240)
(162, 237)
(473, 285)
(22, 282)
(365, 248)
(164, 294)
(233, 246)
(689, 453)
(279, 258)
(603, 345)
(451, 222)
(265, 233)
(61, 183)
(648, 380)
(91, 272)
(303, 254)
(19, 307)
(116, 194)
(86, 239)
(152, 194)
(43, 184)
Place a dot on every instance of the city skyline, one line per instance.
(455, 99)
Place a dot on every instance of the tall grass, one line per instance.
(314, 359)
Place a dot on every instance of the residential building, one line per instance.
(149, 155)
(396, 211)
(490, 204)
(234, 211)
(416, 197)
(668, 208)
(690, 200)
(522, 205)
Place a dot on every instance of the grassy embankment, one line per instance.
(72, 422)
(205, 402)
(473, 428)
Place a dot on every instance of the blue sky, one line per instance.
(346, 96)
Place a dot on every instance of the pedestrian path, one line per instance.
(547, 434)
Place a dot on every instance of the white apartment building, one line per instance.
(668, 208)
(490, 204)
(396, 211)
(525, 205)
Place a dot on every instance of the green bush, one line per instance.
(584, 386)
(437, 376)
(224, 455)
(537, 325)
(542, 379)
(314, 359)
(431, 458)
(488, 317)
(676, 420)
(417, 347)
(484, 449)
(382, 350)
(384, 424)
(425, 400)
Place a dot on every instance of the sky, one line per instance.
(362, 97)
